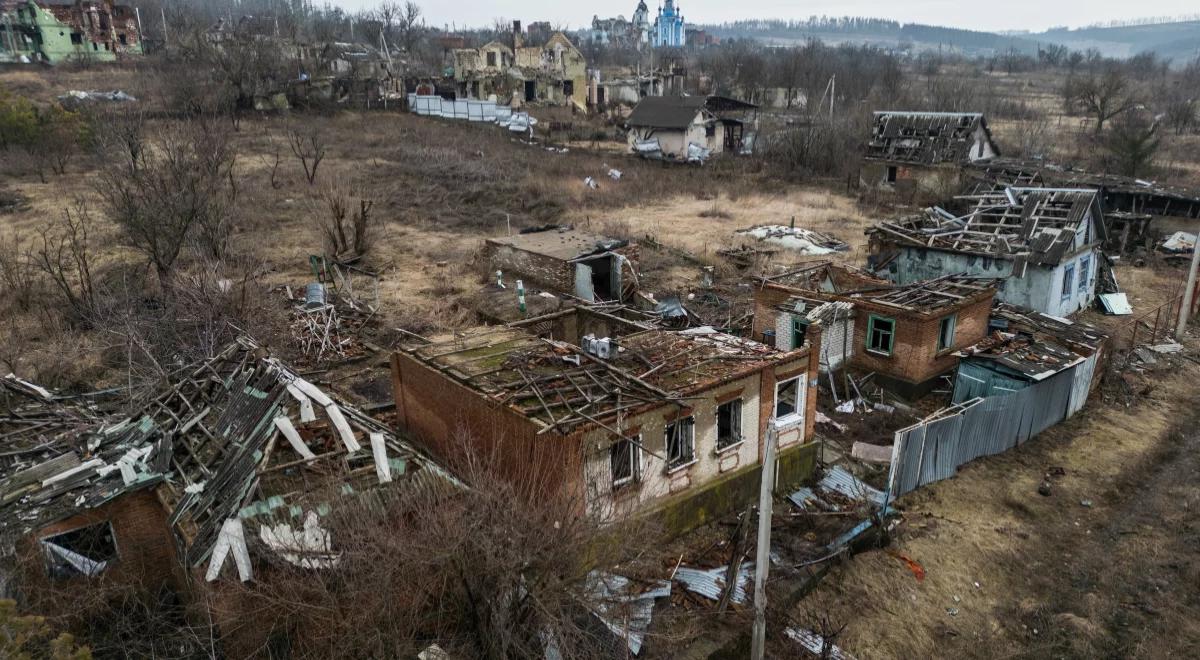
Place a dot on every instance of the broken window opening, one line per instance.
(530, 90)
(626, 461)
(681, 442)
(568, 87)
(1068, 281)
(729, 424)
(891, 174)
(77, 38)
(799, 331)
(86, 551)
(946, 332)
(491, 58)
(881, 333)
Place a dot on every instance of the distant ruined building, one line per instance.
(54, 31)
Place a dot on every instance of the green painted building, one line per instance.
(56, 31)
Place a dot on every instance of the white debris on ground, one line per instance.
(804, 241)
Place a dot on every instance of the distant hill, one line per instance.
(1179, 40)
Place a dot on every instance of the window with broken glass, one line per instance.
(83, 552)
(681, 442)
(625, 459)
(787, 399)
(729, 424)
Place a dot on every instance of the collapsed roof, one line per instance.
(927, 296)
(563, 243)
(826, 276)
(563, 387)
(1037, 225)
(927, 138)
(1032, 345)
(237, 437)
(1122, 193)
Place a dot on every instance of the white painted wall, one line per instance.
(655, 481)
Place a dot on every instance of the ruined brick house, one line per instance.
(212, 480)
(908, 335)
(654, 421)
(55, 31)
(924, 151)
(550, 71)
(567, 261)
(1043, 244)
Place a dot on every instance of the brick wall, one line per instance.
(536, 269)
(146, 555)
(540, 270)
(448, 417)
(766, 299)
(915, 358)
(438, 411)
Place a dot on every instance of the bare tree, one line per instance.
(344, 229)
(16, 273)
(1180, 110)
(409, 26)
(502, 569)
(1132, 144)
(64, 255)
(183, 191)
(309, 148)
(122, 131)
(1102, 96)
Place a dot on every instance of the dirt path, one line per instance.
(1106, 566)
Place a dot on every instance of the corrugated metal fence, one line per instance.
(469, 109)
(935, 448)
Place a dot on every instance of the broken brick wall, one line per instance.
(451, 419)
(145, 560)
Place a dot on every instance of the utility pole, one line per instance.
(762, 559)
(832, 93)
(1185, 306)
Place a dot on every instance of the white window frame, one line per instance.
(949, 344)
(797, 414)
(635, 465)
(1085, 268)
(691, 427)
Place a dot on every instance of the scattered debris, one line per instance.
(913, 565)
(880, 454)
(1115, 304)
(710, 583)
(816, 644)
(1181, 243)
(804, 241)
(624, 611)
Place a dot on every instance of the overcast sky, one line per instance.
(1032, 15)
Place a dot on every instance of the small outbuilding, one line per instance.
(566, 261)
(908, 151)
